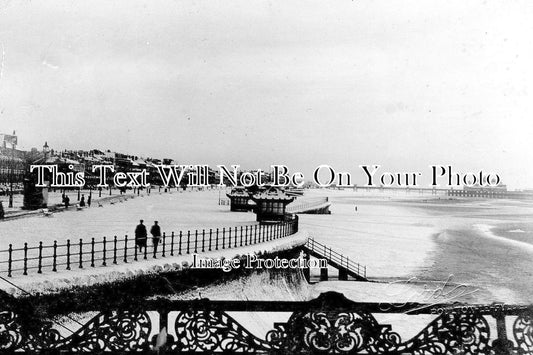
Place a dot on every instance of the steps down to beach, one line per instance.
(342, 263)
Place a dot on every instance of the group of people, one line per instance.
(82, 201)
(141, 236)
(66, 201)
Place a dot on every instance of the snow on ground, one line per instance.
(52, 281)
(391, 240)
(175, 211)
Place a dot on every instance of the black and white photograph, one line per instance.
(262, 176)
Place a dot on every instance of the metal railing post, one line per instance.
(163, 250)
(104, 253)
(80, 254)
(172, 244)
(54, 262)
(126, 248)
(115, 250)
(188, 241)
(10, 260)
(92, 252)
(135, 252)
(25, 258)
(179, 250)
(68, 254)
(40, 265)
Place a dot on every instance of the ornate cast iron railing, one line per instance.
(330, 324)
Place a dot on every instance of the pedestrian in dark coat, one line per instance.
(89, 201)
(82, 201)
(140, 236)
(67, 201)
(155, 231)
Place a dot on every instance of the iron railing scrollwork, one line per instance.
(329, 324)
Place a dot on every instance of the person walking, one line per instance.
(82, 201)
(155, 231)
(67, 201)
(140, 236)
(89, 201)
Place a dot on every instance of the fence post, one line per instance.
(224, 237)
(80, 254)
(188, 241)
(210, 236)
(145, 247)
(115, 250)
(103, 255)
(255, 234)
(216, 240)
(196, 241)
(163, 251)
(54, 263)
(203, 240)
(92, 252)
(135, 254)
(40, 266)
(245, 235)
(172, 244)
(236, 236)
(25, 258)
(179, 250)
(9, 260)
(68, 254)
(126, 248)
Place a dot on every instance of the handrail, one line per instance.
(115, 250)
(451, 328)
(336, 257)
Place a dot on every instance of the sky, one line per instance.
(402, 84)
